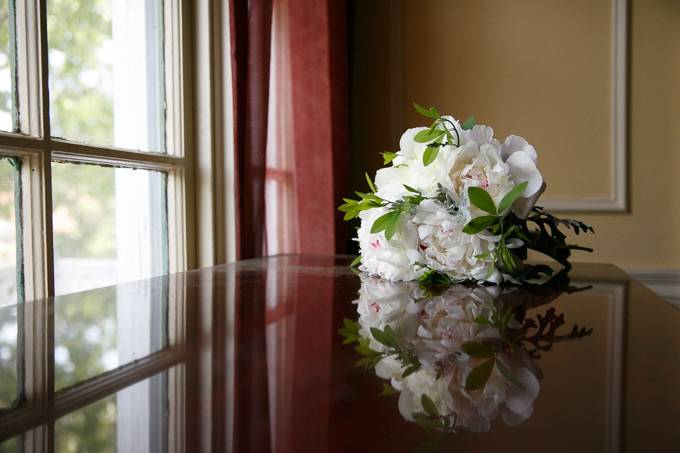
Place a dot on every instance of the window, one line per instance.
(94, 158)
(96, 125)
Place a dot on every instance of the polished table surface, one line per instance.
(249, 357)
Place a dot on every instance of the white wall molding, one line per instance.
(664, 282)
(617, 201)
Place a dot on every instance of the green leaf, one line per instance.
(480, 223)
(512, 195)
(482, 320)
(410, 370)
(469, 123)
(507, 374)
(388, 390)
(382, 337)
(387, 223)
(388, 157)
(391, 227)
(425, 421)
(429, 113)
(430, 155)
(481, 199)
(428, 135)
(477, 349)
(411, 189)
(480, 375)
(350, 331)
(391, 336)
(507, 258)
(429, 406)
(370, 183)
(356, 261)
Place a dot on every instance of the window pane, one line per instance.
(9, 180)
(7, 93)
(106, 72)
(10, 311)
(110, 225)
(99, 330)
(134, 419)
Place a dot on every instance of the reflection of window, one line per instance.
(99, 330)
(135, 419)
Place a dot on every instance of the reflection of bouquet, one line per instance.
(457, 359)
(457, 203)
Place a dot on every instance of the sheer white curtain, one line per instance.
(281, 229)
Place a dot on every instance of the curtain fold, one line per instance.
(318, 76)
(290, 107)
(250, 44)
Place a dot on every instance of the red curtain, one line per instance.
(290, 94)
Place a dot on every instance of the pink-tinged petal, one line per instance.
(523, 168)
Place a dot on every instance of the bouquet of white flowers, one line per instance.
(455, 204)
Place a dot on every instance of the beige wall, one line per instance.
(540, 69)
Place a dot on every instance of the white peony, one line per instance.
(430, 235)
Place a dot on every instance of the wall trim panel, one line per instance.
(617, 201)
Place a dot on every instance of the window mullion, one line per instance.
(45, 381)
(46, 151)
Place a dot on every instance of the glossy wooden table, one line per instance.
(247, 358)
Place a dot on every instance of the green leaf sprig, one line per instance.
(405, 354)
(440, 129)
(369, 200)
(390, 221)
(494, 222)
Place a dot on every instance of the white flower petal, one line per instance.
(479, 134)
(407, 145)
(523, 168)
(514, 143)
